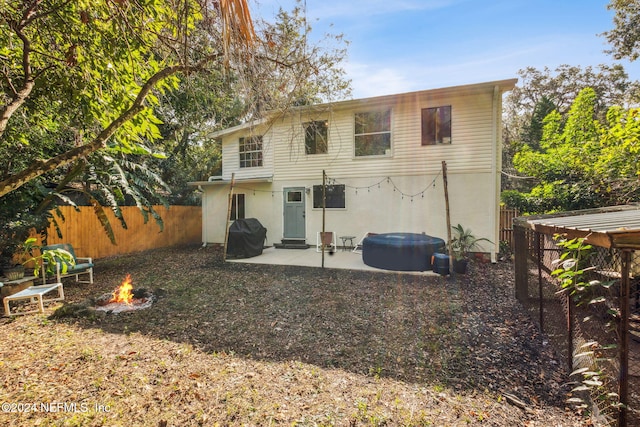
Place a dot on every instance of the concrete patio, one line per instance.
(341, 259)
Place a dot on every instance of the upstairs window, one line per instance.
(373, 133)
(251, 152)
(315, 137)
(436, 125)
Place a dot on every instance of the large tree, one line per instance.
(582, 161)
(560, 87)
(85, 86)
(301, 69)
(625, 35)
(541, 91)
(85, 71)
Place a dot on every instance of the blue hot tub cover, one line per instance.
(401, 251)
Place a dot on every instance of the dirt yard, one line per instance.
(239, 344)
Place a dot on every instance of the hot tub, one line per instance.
(401, 251)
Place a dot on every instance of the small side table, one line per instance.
(344, 242)
(34, 293)
(9, 287)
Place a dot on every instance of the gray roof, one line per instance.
(610, 227)
(502, 85)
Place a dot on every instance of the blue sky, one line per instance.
(405, 45)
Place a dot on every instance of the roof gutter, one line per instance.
(216, 181)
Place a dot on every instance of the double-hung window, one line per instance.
(436, 125)
(251, 152)
(315, 137)
(373, 133)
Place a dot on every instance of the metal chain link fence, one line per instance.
(585, 330)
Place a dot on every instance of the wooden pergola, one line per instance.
(612, 227)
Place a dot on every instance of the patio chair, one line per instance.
(358, 247)
(83, 265)
(326, 239)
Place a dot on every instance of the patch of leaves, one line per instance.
(242, 344)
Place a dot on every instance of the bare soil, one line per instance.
(240, 344)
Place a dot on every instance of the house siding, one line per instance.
(470, 150)
(231, 157)
(403, 191)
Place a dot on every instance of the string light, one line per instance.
(389, 180)
(333, 181)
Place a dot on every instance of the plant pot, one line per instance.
(10, 289)
(14, 273)
(460, 266)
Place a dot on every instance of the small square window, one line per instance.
(294, 196)
(436, 125)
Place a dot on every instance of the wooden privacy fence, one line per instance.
(506, 224)
(182, 226)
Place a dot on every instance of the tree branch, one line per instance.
(21, 95)
(41, 167)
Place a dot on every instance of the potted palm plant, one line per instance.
(14, 267)
(462, 243)
(49, 257)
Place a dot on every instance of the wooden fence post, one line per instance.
(324, 212)
(540, 255)
(623, 333)
(520, 255)
(448, 215)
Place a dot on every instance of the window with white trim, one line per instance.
(334, 196)
(372, 136)
(315, 137)
(250, 149)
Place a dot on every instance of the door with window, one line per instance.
(294, 213)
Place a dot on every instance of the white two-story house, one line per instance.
(383, 162)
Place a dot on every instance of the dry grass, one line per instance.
(237, 344)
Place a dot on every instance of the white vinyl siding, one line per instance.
(412, 199)
(471, 150)
(231, 158)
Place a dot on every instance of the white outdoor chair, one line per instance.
(358, 247)
(326, 239)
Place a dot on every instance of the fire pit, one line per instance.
(125, 299)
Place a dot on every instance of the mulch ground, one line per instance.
(239, 344)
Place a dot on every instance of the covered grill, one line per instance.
(246, 238)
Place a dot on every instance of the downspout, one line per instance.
(203, 204)
(496, 167)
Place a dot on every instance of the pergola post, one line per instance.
(623, 332)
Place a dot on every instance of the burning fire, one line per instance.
(123, 293)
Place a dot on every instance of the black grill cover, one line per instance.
(246, 238)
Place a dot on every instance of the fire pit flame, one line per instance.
(125, 299)
(123, 293)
